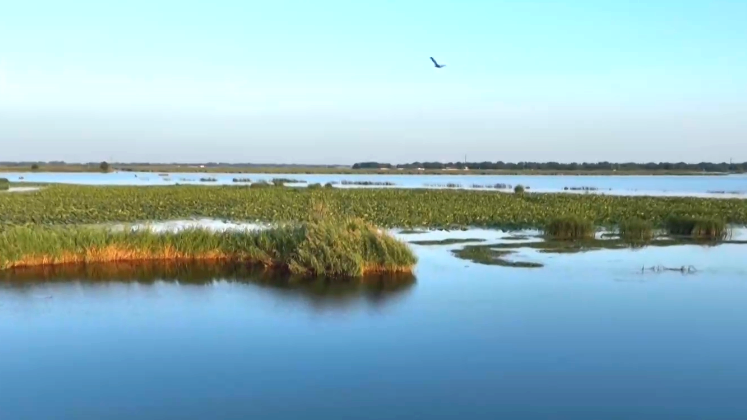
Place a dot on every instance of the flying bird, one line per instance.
(438, 66)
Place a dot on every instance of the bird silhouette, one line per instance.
(438, 66)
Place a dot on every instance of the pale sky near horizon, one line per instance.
(340, 81)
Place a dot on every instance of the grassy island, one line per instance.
(338, 248)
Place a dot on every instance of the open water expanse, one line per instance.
(588, 336)
(727, 186)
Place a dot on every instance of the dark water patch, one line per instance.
(685, 269)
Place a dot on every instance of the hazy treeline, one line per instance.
(557, 166)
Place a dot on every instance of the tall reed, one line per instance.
(698, 227)
(569, 228)
(635, 229)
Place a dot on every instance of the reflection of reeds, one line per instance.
(376, 287)
(689, 269)
(190, 272)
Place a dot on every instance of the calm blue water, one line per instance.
(587, 337)
(733, 185)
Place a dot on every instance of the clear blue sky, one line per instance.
(339, 81)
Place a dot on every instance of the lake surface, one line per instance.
(728, 186)
(588, 336)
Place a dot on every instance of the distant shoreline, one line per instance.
(314, 170)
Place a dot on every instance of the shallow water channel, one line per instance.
(587, 336)
(728, 186)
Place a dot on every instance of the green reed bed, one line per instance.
(699, 227)
(338, 248)
(4, 184)
(318, 186)
(636, 229)
(260, 185)
(283, 181)
(396, 208)
(569, 228)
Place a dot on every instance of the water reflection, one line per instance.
(320, 293)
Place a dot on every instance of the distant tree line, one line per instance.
(557, 166)
(207, 165)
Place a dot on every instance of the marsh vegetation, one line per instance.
(414, 209)
(490, 256)
(331, 248)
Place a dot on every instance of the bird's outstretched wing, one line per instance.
(434, 61)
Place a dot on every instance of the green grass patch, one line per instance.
(698, 227)
(4, 184)
(282, 181)
(488, 256)
(569, 228)
(636, 229)
(260, 185)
